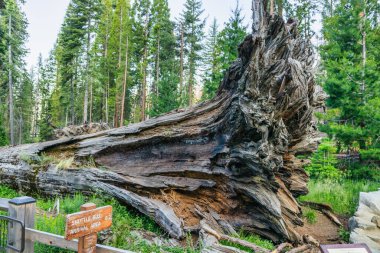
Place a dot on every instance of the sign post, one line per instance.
(85, 225)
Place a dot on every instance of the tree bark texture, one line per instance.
(231, 160)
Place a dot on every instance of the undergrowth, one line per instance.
(250, 238)
(310, 215)
(125, 221)
(342, 195)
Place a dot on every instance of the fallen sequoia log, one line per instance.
(232, 158)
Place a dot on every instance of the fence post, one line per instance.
(23, 209)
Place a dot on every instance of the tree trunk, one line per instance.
(85, 104)
(230, 161)
(124, 83)
(181, 61)
(144, 69)
(364, 48)
(10, 84)
(280, 7)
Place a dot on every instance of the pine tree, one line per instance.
(12, 67)
(350, 55)
(305, 12)
(73, 41)
(213, 67)
(164, 95)
(141, 30)
(47, 73)
(230, 37)
(193, 26)
(222, 50)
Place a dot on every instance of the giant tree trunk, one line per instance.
(231, 160)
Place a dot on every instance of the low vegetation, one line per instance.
(126, 225)
(250, 238)
(310, 215)
(342, 194)
(339, 182)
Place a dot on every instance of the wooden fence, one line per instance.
(24, 209)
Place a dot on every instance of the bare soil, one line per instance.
(324, 230)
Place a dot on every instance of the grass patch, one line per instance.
(310, 215)
(342, 195)
(250, 238)
(344, 235)
(124, 222)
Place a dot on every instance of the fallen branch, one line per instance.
(310, 240)
(332, 217)
(325, 209)
(219, 236)
(301, 249)
(281, 247)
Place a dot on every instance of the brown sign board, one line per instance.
(345, 248)
(88, 222)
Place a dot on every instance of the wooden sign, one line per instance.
(345, 248)
(85, 225)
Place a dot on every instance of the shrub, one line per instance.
(359, 171)
(370, 154)
(3, 137)
(323, 162)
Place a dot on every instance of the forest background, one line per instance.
(121, 62)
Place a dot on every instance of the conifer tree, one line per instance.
(350, 58)
(12, 68)
(73, 40)
(164, 94)
(141, 30)
(304, 11)
(213, 66)
(230, 37)
(193, 26)
(222, 50)
(47, 74)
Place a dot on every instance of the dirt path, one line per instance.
(324, 230)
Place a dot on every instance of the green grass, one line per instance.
(250, 238)
(124, 222)
(310, 215)
(342, 195)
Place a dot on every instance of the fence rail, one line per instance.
(23, 209)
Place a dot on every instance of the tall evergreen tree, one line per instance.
(48, 78)
(165, 78)
(213, 67)
(350, 57)
(141, 28)
(222, 50)
(193, 26)
(73, 40)
(12, 67)
(230, 37)
(305, 12)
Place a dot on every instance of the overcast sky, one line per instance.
(46, 16)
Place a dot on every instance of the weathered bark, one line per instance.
(230, 161)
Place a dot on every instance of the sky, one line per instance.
(45, 18)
